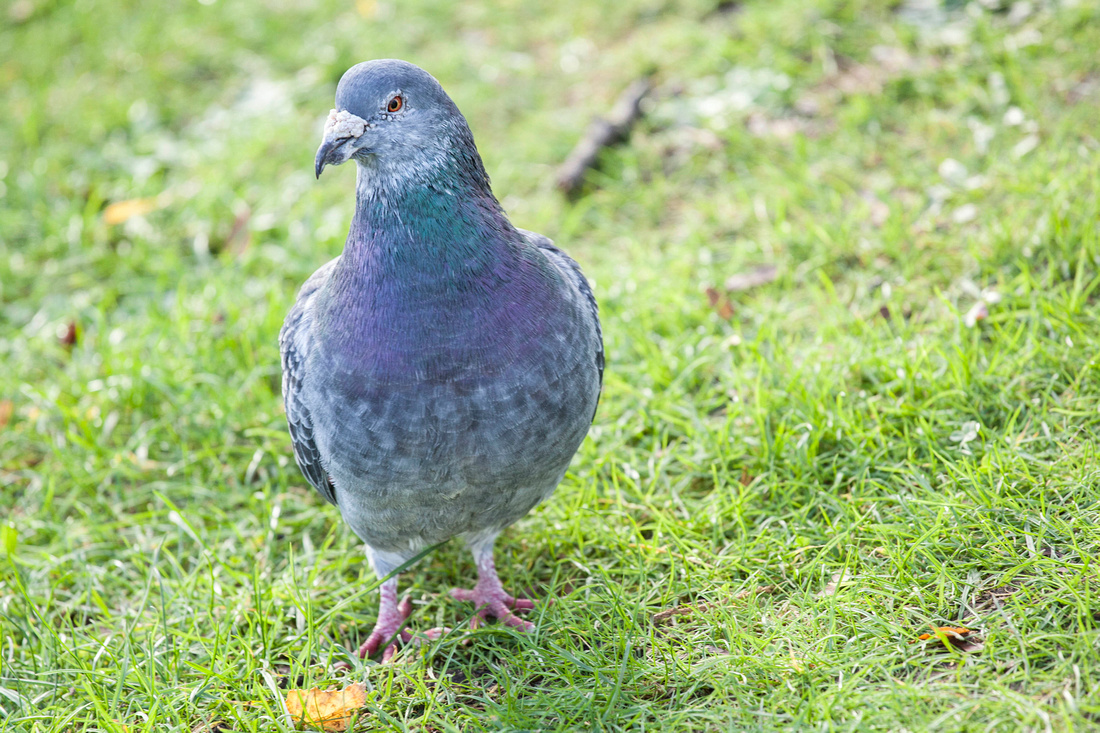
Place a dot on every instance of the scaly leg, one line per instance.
(387, 629)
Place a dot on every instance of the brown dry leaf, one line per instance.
(120, 211)
(66, 334)
(753, 278)
(959, 637)
(6, 410)
(332, 710)
(719, 302)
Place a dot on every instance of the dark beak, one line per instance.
(325, 153)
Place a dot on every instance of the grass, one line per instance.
(831, 463)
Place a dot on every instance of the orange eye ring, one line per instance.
(395, 104)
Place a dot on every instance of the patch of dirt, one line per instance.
(993, 598)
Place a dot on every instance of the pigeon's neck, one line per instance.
(435, 282)
(445, 230)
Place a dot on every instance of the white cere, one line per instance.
(344, 124)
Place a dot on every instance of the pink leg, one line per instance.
(391, 616)
(489, 595)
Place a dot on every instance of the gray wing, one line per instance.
(295, 344)
(570, 269)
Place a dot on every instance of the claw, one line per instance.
(491, 600)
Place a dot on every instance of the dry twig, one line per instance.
(603, 131)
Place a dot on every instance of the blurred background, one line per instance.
(846, 260)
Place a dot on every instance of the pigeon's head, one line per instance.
(391, 116)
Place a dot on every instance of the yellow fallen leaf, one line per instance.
(120, 211)
(331, 709)
(957, 637)
(950, 632)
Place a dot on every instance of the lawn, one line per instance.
(788, 482)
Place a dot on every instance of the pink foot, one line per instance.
(491, 599)
(387, 630)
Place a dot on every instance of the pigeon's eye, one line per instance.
(396, 103)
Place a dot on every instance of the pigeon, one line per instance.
(440, 374)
